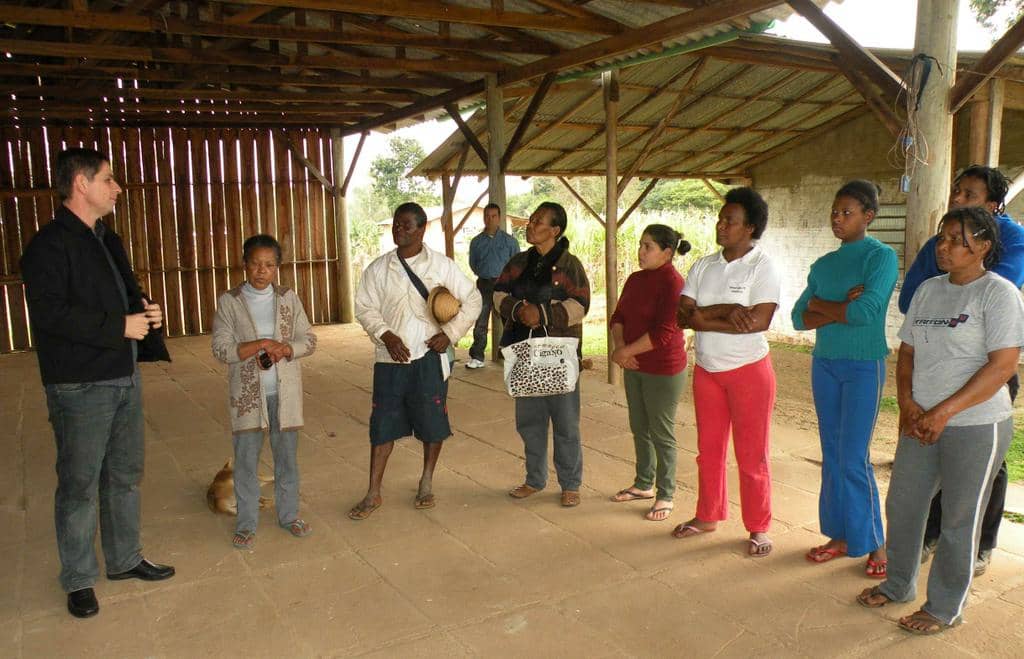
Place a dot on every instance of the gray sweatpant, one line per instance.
(963, 463)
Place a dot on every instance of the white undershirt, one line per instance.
(261, 307)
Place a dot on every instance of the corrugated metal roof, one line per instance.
(735, 103)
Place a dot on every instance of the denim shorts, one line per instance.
(410, 399)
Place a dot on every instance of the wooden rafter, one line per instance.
(968, 82)
(639, 200)
(875, 102)
(469, 212)
(853, 54)
(352, 165)
(652, 139)
(296, 151)
(794, 142)
(583, 202)
(467, 132)
(561, 119)
(711, 187)
(694, 72)
(524, 123)
(436, 11)
(191, 94)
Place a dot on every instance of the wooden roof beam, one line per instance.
(130, 21)
(802, 138)
(875, 102)
(637, 38)
(436, 11)
(579, 198)
(968, 82)
(524, 122)
(467, 132)
(98, 91)
(855, 56)
(250, 58)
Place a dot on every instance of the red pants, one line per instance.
(740, 399)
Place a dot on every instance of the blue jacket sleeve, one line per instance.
(474, 255)
(923, 267)
(1011, 263)
(880, 274)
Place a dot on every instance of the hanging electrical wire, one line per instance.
(911, 148)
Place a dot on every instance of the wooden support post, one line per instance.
(1016, 186)
(929, 188)
(996, 98)
(346, 294)
(496, 177)
(610, 83)
(447, 197)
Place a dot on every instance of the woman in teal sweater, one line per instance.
(845, 301)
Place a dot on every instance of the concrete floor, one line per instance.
(480, 575)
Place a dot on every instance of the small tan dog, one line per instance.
(220, 496)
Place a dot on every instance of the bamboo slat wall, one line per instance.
(191, 197)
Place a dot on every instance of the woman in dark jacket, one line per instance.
(546, 287)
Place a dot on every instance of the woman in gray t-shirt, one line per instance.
(961, 343)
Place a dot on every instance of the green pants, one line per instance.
(652, 403)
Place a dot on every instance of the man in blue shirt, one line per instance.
(489, 251)
(985, 187)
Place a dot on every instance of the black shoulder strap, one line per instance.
(416, 281)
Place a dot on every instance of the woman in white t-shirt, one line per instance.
(961, 343)
(729, 299)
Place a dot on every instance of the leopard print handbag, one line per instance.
(541, 366)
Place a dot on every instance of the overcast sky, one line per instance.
(876, 23)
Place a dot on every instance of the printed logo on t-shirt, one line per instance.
(941, 322)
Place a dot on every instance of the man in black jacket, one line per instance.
(91, 325)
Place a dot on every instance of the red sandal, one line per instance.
(877, 569)
(824, 554)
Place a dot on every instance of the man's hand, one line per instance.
(439, 342)
(396, 347)
(529, 315)
(931, 424)
(154, 315)
(136, 326)
(910, 413)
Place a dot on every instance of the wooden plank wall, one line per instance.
(191, 197)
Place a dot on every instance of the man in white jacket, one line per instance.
(410, 376)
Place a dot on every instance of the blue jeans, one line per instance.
(486, 288)
(100, 456)
(533, 416)
(846, 396)
(286, 472)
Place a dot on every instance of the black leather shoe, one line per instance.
(146, 571)
(82, 603)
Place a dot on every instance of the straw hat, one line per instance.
(442, 305)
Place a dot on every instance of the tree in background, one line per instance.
(985, 10)
(391, 186)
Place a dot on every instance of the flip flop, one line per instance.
(522, 491)
(689, 530)
(652, 514)
(935, 626)
(864, 599)
(244, 540)
(759, 549)
(424, 502)
(298, 527)
(361, 512)
(824, 554)
(877, 569)
(625, 495)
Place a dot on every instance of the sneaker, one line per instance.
(930, 544)
(475, 363)
(981, 564)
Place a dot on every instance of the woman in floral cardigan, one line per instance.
(259, 331)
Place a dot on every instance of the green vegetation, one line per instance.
(1015, 458)
(985, 10)
(889, 404)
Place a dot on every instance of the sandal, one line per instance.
(298, 527)
(759, 548)
(824, 554)
(877, 569)
(361, 511)
(934, 625)
(864, 599)
(424, 501)
(630, 494)
(690, 529)
(570, 498)
(656, 514)
(244, 540)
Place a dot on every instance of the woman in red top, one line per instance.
(649, 346)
